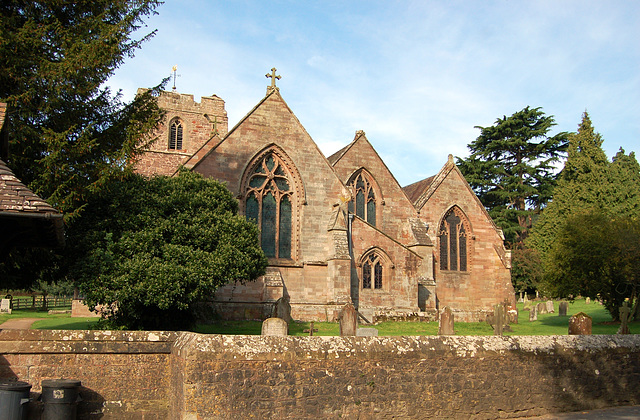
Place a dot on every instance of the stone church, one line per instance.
(336, 229)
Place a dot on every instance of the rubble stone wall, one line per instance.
(160, 375)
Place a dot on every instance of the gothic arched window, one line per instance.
(372, 272)
(175, 135)
(269, 200)
(453, 234)
(364, 197)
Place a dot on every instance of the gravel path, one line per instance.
(18, 324)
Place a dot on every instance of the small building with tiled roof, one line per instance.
(26, 220)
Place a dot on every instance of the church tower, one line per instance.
(187, 126)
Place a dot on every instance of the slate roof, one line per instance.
(415, 190)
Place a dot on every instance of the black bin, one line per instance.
(13, 396)
(60, 398)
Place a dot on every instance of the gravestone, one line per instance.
(311, 330)
(512, 316)
(563, 308)
(498, 314)
(587, 300)
(580, 324)
(367, 332)
(541, 308)
(5, 306)
(526, 298)
(533, 313)
(625, 313)
(445, 323)
(348, 320)
(282, 309)
(550, 308)
(275, 327)
(521, 299)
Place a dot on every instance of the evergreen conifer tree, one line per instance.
(511, 168)
(68, 133)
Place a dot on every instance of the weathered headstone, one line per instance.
(498, 313)
(512, 316)
(541, 308)
(625, 313)
(348, 320)
(550, 308)
(526, 298)
(533, 313)
(563, 308)
(367, 332)
(445, 323)
(5, 306)
(587, 300)
(282, 309)
(580, 324)
(521, 299)
(275, 327)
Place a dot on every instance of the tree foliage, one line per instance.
(511, 168)
(597, 256)
(154, 247)
(589, 182)
(588, 236)
(68, 133)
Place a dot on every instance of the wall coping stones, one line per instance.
(85, 341)
(420, 347)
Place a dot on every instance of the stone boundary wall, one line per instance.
(161, 375)
(124, 374)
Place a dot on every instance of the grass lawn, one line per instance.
(51, 321)
(547, 324)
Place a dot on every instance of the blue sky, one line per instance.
(416, 76)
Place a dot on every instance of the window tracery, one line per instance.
(175, 134)
(372, 272)
(453, 233)
(364, 199)
(269, 203)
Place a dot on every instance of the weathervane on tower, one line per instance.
(174, 70)
(273, 77)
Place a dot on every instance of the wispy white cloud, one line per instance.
(416, 76)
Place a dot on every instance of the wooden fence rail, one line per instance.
(40, 302)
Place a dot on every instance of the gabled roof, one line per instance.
(421, 191)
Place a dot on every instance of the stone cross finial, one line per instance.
(273, 77)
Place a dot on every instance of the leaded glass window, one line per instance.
(372, 271)
(364, 202)
(453, 241)
(269, 203)
(175, 135)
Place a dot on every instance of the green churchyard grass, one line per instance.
(547, 324)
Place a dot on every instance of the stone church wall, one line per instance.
(163, 375)
(488, 281)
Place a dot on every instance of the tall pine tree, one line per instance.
(511, 168)
(68, 133)
(589, 182)
(587, 236)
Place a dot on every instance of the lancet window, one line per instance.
(175, 134)
(453, 235)
(364, 199)
(372, 272)
(269, 203)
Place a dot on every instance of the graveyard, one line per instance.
(546, 324)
